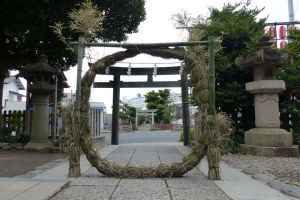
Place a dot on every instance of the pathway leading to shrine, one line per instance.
(93, 185)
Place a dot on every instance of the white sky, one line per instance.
(158, 27)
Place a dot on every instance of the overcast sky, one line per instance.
(159, 27)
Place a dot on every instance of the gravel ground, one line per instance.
(286, 170)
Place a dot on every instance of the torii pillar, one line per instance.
(115, 111)
(185, 109)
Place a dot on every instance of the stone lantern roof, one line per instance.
(265, 56)
(41, 68)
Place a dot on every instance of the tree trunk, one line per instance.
(74, 163)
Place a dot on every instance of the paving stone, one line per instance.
(84, 193)
(121, 155)
(95, 181)
(286, 189)
(12, 190)
(197, 193)
(145, 157)
(250, 171)
(169, 155)
(262, 177)
(43, 190)
(193, 186)
(141, 189)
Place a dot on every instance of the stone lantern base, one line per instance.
(272, 142)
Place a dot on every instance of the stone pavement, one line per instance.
(93, 185)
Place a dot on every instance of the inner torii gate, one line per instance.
(116, 84)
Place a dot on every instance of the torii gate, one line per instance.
(145, 113)
(116, 84)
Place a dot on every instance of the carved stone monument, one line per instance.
(267, 139)
(40, 75)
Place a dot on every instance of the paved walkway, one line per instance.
(93, 185)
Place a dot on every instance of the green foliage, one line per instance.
(24, 35)
(290, 98)
(231, 144)
(161, 101)
(192, 132)
(15, 124)
(239, 28)
(26, 29)
(127, 111)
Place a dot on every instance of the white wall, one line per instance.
(12, 86)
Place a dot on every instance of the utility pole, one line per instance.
(291, 10)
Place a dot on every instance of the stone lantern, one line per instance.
(40, 74)
(267, 139)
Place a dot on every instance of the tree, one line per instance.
(26, 33)
(161, 101)
(239, 28)
(289, 98)
(127, 111)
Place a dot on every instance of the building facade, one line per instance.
(12, 99)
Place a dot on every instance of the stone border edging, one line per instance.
(290, 190)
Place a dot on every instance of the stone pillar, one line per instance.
(115, 113)
(40, 124)
(267, 136)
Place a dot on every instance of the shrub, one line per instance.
(192, 132)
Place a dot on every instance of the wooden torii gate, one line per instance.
(116, 84)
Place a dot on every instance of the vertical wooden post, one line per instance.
(211, 76)
(185, 109)
(54, 111)
(79, 71)
(115, 113)
(27, 112)
(213, 152)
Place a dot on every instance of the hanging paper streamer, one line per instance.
(107, 70)
(155, 70)
(129, 70)
(181, 69)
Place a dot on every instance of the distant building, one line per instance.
(137, 102)
(12, 99)
(175, 98)
(67, 98)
